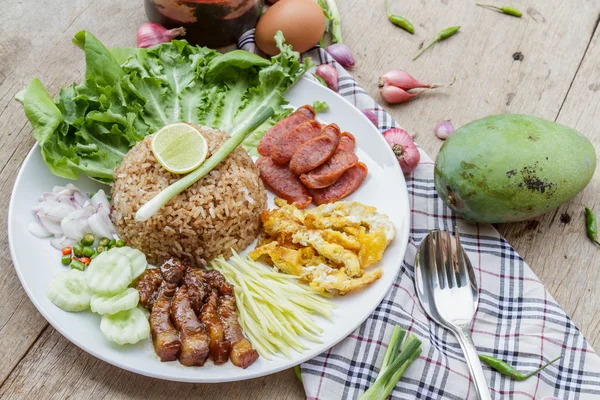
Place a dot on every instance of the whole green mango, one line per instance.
(512, 167)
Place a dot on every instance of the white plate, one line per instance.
(36, 261)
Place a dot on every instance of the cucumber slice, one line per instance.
(69, 291)
(108, 274)
(137, 260)
(125, 327)
(113, 304)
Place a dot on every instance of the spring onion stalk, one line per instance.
(396, 361)
(333, 26)
(237, 137)
(275, 310)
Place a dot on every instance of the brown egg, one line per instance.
(301, 21)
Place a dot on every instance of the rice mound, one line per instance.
(219, 212)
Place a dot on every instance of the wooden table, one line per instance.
(546, 64)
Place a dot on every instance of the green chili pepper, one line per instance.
(506, 369)
(66, 260)
(88, 239)
(591, 225)
(88, 251)
(78, 250)
(103, 242)
(505, 9)
(445, 34)
(76, 264)
(399, 20)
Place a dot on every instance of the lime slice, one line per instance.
(179, 148)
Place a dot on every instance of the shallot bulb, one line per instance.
(396, 84)
(395, 95)
(371, 116)
(329, 74)
(444, 129)
(404, 149)
(342, 54)
(150, 34)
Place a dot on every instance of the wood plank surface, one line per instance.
(558, 78)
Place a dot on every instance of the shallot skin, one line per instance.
(404, 149)
(342, 54)
(395, 95)
(329, 74)
(150, 34)
(444, 129)
(402, 80)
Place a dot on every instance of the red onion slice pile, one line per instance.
(67, 214)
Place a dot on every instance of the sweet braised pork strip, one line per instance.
(219, 346)
(194, 340)
(147, 285)
(216, 280)
(164, 336)
(197, 289)
(241, 354)
(173, 270)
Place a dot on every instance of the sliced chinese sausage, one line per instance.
(329, 173)
(316, 151)
(299, 116)
(345, 186)
(285, 147)
(347, 142)
(283, 182)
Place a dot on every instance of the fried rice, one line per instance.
(219, 212)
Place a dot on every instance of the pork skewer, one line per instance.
(219, 346)
(194, 340)
(164, 336)
(241, 354)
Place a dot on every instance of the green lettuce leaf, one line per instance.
(129, 93)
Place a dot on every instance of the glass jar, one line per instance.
(210, 23)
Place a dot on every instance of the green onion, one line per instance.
(237, 137)
(395, 362)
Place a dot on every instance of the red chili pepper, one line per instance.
(85, 260)
(66, 251)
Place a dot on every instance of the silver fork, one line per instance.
(447, 290)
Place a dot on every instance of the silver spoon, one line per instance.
(447, 289)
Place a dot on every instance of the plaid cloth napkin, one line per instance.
(517, 320)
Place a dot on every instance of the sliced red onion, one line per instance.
(68, 214)
(100, 199)
(100, 224)
(72, 228)
(62, 242)
(60, 211)
(80, 199)
(36, 229)
(51, 226)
